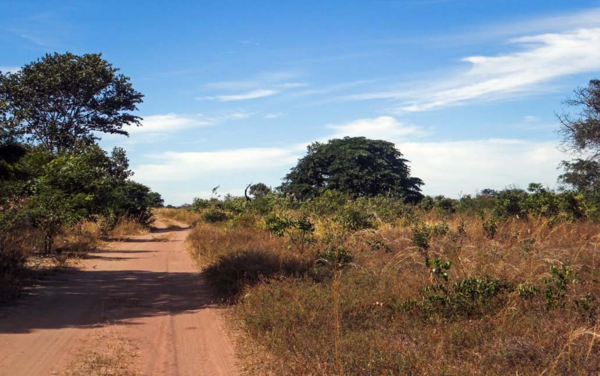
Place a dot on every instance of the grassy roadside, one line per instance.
(434, 295)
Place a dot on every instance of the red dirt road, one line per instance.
(146, 288)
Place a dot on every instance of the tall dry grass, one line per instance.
(127, 227)
(179, 215)
(523, 302)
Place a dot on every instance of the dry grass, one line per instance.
(106, 353)
(127, 227)
(374, 316)
(21, 258)
(178, 215)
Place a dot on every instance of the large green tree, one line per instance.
(581, 136)
(357, 166)
(64, 99)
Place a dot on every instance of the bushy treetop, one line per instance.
(354, 165)
(62, 99)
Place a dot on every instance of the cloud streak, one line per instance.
(541, 59)
(254, 94)
(167, 123)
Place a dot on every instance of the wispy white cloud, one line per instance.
(540, 60)
(176, 166)
(259, 86)
(290, 85)
(383, 128)
(254, 94)
(167, 123)
(260, 80)
(273, 115)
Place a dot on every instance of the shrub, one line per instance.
(421, 235)
(355, 216)
(212, 215)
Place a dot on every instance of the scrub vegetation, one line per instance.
(60, 192)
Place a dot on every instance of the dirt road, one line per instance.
(145, 289)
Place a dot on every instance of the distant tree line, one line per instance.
(360, 169)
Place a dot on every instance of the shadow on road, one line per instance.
(89, 298)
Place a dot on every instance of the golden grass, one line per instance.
(127, 227)
(179, 215)
(375, 318)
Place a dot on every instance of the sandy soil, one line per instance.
(146, 288)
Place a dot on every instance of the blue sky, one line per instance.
(235, 90)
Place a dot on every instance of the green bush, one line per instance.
(355, 216)
(212, 215)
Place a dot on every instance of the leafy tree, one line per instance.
(10, 153)
(259, 190)
(581, 134)
(582, 174)
(357, 166)
(131, 200)
(62, 99)
(155, 200)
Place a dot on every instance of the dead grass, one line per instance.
(128, 227)
(504, 309)
(179, 215)
(106, 353)
(21, 259)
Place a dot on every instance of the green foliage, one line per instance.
(132, 200)
(510, 203)
(329, 202)
(63, 99)
(388, 209)
(582, 134)
(299, 231)
(336, 257)
(200, 204)
(556, 285)
(527, 291)
(276, 225)
(438, 268)
(421, 235)
(490, 227)
(213, 215)
(467, 297)
(357, 166)
(259, 190)
(155, 200)
(355, 216)
(264, 204)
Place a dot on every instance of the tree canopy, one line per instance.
(581, 135)
(62, 99)
(354, 165)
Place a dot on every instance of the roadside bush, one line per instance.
(213, 215)
(355, 216)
